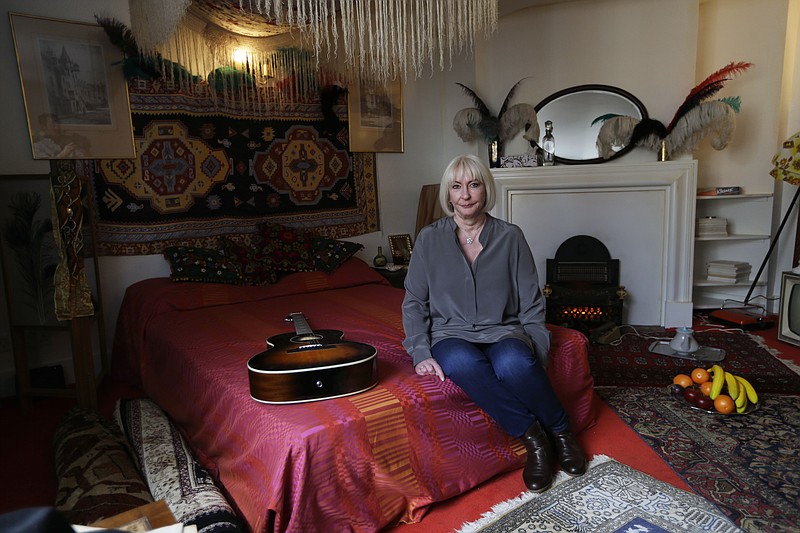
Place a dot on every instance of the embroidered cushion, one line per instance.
(289, 249)
(202, 264)
(330, 254)
(256, 267)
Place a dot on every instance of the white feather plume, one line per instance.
(517, 117)
(466, 124)
(615, 131)
(715, 119)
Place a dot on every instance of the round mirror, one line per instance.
(572, 112)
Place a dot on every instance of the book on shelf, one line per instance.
(712, 226)
(728, 279)
(720, 191)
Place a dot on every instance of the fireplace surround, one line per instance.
(643, 212)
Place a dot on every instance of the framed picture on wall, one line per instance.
(375, 116)
(75, 93)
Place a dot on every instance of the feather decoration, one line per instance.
(482, 108)
(466, 124)
(516, 117)
(734, 101)
(715, 119)
(648, 132)
(606, 117)
(479, 122)
(120, 35)
(707, 88)
(615, 132)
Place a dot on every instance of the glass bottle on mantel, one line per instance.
(548, 145)
(380, 259)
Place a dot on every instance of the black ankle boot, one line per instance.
(538, 472)
(569, 453)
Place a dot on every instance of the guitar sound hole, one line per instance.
(306, 338)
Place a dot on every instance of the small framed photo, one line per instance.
(400, 246)
(75, 93)
(375, 116)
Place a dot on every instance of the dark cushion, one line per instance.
(256, 267)
(202, 264)
(329, 254)
(97, 476)
(289, 249)
(171, 470)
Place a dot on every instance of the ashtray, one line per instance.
(751, 407)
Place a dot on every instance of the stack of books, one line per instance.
(725, 271)
(712, 227)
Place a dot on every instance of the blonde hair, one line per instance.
(472, 166)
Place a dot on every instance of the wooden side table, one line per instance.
(396, 277)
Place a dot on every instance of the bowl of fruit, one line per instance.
(715, 391)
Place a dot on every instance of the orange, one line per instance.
(724, 404)
(705, 387)
(700, 375)
(683, 380)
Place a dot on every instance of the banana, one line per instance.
(751, 392)
(733, 385)
(742, 408)
(741, 399)
(719, 380)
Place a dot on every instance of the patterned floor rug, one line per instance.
(610, 497)
(630, 363)
(746, 464)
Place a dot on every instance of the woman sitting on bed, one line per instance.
(473, 312)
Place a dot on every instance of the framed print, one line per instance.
(375, 115)
(400, 246)
(75, 93)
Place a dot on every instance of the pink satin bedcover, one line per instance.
(357, 463)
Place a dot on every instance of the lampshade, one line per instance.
(787, 161)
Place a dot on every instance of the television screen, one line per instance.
(793, 308)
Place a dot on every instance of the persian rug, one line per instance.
(631, 363)
(747, 465)
(201, 173)
(609, 497)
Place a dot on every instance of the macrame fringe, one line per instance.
(387, 39)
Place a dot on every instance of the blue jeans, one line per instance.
(506, 380)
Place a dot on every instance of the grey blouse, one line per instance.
(495, 298)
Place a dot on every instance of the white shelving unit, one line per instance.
(748, 239)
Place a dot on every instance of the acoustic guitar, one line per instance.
(308, 365)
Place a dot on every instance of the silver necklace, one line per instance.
(471, 240)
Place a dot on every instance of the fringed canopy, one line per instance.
(284, 49)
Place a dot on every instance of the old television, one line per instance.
(789, 310)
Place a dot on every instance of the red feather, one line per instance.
(708, 87)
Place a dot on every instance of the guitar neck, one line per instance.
(301, 326)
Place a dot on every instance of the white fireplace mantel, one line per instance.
(644, 213)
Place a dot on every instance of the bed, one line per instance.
(355, 463)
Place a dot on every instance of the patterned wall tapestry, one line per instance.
(200, 175)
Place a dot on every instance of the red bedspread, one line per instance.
(356, 463)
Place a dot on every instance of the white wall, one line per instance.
(654, 49)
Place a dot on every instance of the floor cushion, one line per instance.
(97, 476)
(571, 377)
(171, 471)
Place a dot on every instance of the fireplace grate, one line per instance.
(582, 286)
